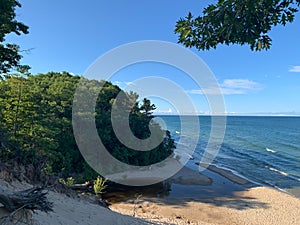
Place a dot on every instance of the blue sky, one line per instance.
(70, 35)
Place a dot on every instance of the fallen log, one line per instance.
(87, 186)
(32, 199)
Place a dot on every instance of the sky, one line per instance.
(71, 35)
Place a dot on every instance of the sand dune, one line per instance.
(73, 211)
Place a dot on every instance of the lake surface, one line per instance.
(265, 150)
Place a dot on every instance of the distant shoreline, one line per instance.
(234, 115)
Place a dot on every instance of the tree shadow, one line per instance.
(235, 202)
(180, 190)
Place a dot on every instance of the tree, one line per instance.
(147, 107)
(236, 22)
(36, 116)
(36, 121)
(10, 53)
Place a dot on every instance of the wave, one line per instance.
(257, 160)
(284, 174)
(278, 171)
(270, 150)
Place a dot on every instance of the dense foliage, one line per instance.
(36, 125)
(9, 53)
(236, 22)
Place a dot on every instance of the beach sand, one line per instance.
(216, 200)
(258, 205)
(250, 204)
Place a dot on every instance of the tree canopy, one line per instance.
(9, 53)
(236, 22)
(36, 124)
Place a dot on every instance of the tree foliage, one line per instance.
(236, 22)
(9, 53)
(36, 120)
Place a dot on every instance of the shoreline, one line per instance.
(239, 179)
(257, 205)
(186, 183)
(192, 177)
(208, 198)
(239, 201)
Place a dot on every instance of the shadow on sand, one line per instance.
(214, 187)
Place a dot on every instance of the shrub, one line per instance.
(99, 185)
(68, 181)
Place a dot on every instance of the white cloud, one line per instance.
(129, 83)
(117, 83)
(123, 84)
(295, 69)
(230, 87)
(239, 84)
(165, 112)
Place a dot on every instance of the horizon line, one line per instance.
(233, 114)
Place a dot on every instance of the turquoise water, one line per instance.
(266, 150)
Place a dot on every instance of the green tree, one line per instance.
(36, 114)
(139, 120)
(36, 121)
(10, 53)
(236, 22)
(147, 107)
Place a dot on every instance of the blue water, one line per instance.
(266, 150)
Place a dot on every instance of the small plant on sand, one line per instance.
(99, 185)
(68, 181)
(137, 198)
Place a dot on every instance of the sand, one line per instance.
(71, 211)
(249, 205)
(258, 205)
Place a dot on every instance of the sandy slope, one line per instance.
(70, 211)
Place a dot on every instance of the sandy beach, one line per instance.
(258, 205)
(240, 202)
(249, 204)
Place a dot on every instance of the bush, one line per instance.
(99, 185)
(68, 181)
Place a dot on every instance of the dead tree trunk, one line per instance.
(32, 199)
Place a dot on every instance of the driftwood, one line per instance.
(21, 204)
(87, 187)
(32, 199)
